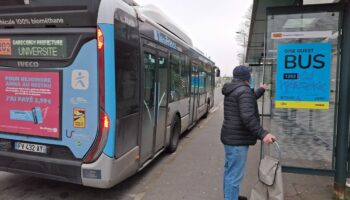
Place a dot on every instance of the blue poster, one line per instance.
(303, 76)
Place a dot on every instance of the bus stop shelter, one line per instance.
(301, 49)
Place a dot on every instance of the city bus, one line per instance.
(92, 91)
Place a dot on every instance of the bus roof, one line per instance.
(160, 18)
(48, 13)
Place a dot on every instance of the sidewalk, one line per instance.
(296, 187)
(195, 171)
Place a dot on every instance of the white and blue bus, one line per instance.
(92, 91)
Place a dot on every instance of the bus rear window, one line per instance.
(33, 47)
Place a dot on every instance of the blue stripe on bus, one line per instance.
(110, 88)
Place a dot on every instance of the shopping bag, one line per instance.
(267, 170)
(270, 182)
(259, 192)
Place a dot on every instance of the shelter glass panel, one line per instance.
(302, 98)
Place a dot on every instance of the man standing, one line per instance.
(241, 128)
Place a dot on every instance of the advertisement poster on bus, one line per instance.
(303, 76)
(29, 103)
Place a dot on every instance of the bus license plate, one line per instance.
(36, 148)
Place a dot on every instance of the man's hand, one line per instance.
(263, 85)
(269, 138)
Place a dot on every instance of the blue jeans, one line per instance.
(235, 159)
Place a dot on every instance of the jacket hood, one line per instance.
(228, 88)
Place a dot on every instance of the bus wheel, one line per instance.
(175, 135)
(207, 112)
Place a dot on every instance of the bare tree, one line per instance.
(242, 35)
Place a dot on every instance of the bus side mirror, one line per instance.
(217, 73)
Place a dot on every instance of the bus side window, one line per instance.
(180, 79)
(175, 77)
(185, 76)
(127, 56)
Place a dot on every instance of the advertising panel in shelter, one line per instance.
(29, 103)
(303, 76)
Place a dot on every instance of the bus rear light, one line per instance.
(100, 140)
(101, 66)
(100, 39)
(103, 128)
(105, 122)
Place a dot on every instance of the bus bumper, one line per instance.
(106, 172)
(42, 167)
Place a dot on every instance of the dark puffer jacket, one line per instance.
(241, 116)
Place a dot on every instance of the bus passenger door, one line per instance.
(149, 105)
(155, 103)
(162, 99)
(194, 93)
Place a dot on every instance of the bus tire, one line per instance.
(175, 135)
(207, 112)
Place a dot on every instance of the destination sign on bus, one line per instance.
(33, 47)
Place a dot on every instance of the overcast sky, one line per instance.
(212, 25)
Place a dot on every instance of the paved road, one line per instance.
(194, 172)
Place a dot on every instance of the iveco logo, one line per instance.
(27, 64)
(26, 2)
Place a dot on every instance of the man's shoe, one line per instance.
(347, 183)
(242, 198)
